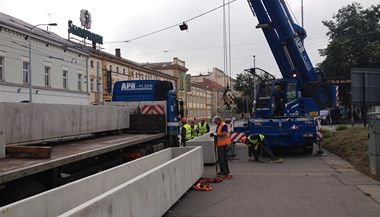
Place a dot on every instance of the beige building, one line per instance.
(114, 68)
(218, 76)
(198, 102)
(216, 90)
(176, 68)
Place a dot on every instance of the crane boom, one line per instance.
(285, 39)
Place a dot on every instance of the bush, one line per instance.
(341, 127)
(326, 133)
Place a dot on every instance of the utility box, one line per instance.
(374, 142)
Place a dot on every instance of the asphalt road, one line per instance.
(303, 186)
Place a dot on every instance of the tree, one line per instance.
(244, 84)
(354, 36)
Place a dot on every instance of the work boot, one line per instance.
(279, 160)
(257, 160)
(228, 177)
(220, 174)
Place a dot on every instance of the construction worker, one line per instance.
(279, 100)
(203, 127)
(194, 129)
(185, 132)
(223, 139)
(256, 144)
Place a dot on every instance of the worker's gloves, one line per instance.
(212, 134)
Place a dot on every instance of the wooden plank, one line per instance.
(34, 152)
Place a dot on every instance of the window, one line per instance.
(1, 68)
(291, 93)
(124, 71)
(111, 68)
(25, 72)
(79, 81)
(92, 85)
(47, 76)
(64, 77)
(92, 64)
(117, 69)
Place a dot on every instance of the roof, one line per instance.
(163, 65)
(210, 85)
(22, 26)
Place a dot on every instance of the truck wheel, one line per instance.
(172, 141)
(308, 149)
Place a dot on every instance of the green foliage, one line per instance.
(244, 84)
(341, 127)
(327, 134)
(354, 42)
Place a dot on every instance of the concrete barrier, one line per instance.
(167, 174)
(25, 122)
(207, 143)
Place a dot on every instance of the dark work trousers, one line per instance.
(222, 160)
(265, 146)
(251, 150)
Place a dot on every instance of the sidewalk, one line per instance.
(304, 185)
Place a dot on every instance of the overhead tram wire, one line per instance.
(172, 26)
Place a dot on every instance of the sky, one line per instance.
(201, 47)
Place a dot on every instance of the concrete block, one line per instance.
(150, 194)
(30, 122)
(176, 171)
(207, 144)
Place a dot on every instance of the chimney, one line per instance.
(117, 52)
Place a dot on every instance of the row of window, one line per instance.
(132, 74)
(47, 75)
(198, 114)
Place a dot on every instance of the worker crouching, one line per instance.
(257, 144)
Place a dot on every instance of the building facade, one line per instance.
(218, 76)
(215, 91)
(176, 68)
(198, 102)
(59, 71)
(115, 68)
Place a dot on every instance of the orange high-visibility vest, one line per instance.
(222, 141)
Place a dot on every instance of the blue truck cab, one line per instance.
(156, 107)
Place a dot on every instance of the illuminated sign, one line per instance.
(83, 33)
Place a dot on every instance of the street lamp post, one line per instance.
(30, 57)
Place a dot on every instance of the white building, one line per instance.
(59, 69)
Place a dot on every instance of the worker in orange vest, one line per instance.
(223, 139)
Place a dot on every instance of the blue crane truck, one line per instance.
(303, 87)
(154, 105)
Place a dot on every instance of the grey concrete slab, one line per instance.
(304, 185)
(148, 186)
(25, 122)
(207, 144)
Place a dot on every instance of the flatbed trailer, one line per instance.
(70, 152)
